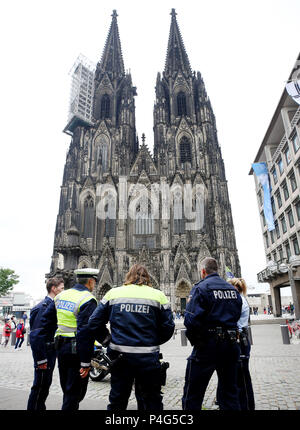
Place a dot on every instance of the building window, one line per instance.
(272, 236)
(105, 107)
(260, 198)
(297, 206)
(88, 226)
(293, 182)
(295, 141)
(288, 251)
(283, 225)
(296, 246)
(185, 150)
(267, 240)
(280, 165)
(287, 156)
(285, 191)
(110, 227)
(291, 218)
(279, 201)
(277, 229)
(274, 174)
(273, 205)
(179, 221)
(144, 219)
(263, 219)
(280, 252)
(181, 104)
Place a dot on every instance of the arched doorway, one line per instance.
(102, 290)
(181, 295)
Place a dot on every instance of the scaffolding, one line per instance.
(81, 94)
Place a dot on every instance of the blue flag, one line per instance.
(229, 273)
(262, 174)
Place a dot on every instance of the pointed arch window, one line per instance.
(88, 224)
(110, 221)
(181, 104)
(144, 219)
(185, 150)
(105, 107)
(179, 221)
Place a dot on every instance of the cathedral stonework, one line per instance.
(120, 204)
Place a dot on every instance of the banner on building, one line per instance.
(261, 172)
(293, 89)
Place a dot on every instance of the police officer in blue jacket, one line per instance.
(42, 372)
(69, 314)
(140, 320)
(211, 320)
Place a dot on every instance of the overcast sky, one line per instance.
(245, 51)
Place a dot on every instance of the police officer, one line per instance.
(69, 314)
(244, 382)
(211, 321)
(42, 370)
(140, 320)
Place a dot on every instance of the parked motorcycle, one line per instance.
(100, 363)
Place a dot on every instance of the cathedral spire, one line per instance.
(112, 59)
(177, 58)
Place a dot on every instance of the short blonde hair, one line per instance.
(240, 284)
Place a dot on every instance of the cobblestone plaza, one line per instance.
(274, 366)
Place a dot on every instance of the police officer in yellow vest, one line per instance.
(70, 312)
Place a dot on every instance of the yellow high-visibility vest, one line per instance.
(68, 304)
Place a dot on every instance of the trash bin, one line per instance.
(285, 334)
(13, 338)
(183, 337)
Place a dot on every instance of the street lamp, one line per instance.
(294, 262)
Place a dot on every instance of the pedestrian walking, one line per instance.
(20, 334)
(13, 322)
(211, 317)
(244, 382)
(42, 372)
(69, 314)
(141, 320)
(24, 317)
(6, 331)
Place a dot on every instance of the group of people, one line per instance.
(66, 324)
(10, 325)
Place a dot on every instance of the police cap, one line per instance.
(87, 273)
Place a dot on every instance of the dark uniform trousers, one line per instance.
(244, 382)
(74, 387)
(145, 373)
(41, 384)
(219, 355)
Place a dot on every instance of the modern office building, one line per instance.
(280, 153)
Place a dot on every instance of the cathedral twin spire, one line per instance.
(112, 59)
(176, 59)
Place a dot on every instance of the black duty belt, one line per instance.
(65, 339)
(224, 333)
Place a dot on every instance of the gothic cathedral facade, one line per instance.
(106, 161)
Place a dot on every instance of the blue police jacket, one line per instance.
(84, 341)
(140, 319)
(213, 303)
(35, 330)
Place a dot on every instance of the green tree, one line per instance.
(8, 278)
